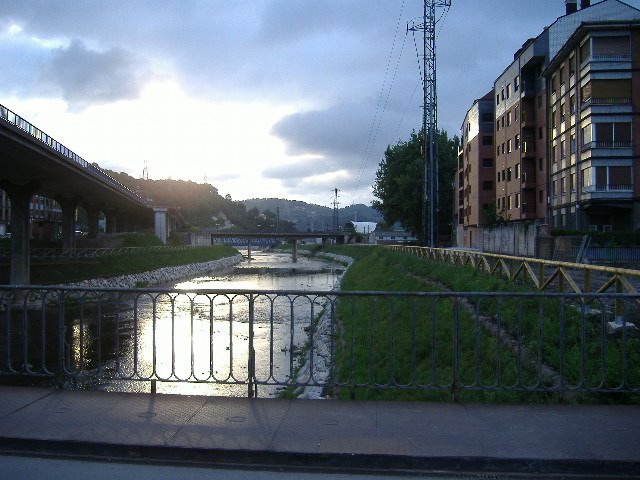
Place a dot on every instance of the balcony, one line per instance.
(611, 57)
(528, 180)
(587, 102)
(607, 192)
(527, 89)
(528, 147)
(607, 144)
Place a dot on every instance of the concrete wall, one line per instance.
(512, 239)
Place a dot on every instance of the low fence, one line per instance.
(242, 342)
(544, 275)
(93, 252)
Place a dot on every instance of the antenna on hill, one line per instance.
(145, 171)
(336, 221)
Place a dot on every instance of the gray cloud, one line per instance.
(84, 76)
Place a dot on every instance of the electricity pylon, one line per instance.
(429, 119)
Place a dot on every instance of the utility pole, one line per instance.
(336, 220)
(429, 119)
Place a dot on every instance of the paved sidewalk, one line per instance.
(324, 434)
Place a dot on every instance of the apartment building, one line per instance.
(45, 217)
(475, 184)
(594, 105)
(550, 160)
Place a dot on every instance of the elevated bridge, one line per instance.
(33, 162)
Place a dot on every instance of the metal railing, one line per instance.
(544, 275)
(16, 120)
(244, 342)
(95, 252)
(613, 187)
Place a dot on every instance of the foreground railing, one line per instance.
(241, 342)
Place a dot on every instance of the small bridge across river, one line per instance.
(251, 238)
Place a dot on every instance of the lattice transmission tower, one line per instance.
(429, 116)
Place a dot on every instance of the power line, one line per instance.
(373, 131)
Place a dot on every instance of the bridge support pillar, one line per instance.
(294, 250)
(160, 224)
(249, 249)
(20, 196)
(93, 215)
(69, 206)
(110, 222)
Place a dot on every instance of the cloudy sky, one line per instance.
(260, 98)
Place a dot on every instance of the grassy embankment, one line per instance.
(76, 269)
(411, 341)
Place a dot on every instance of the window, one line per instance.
(498, 124)
(487, 185)
(515, 114)
(498, 151)
(540, 196)
(572, 143)
(498, 99)
(517, 200)
(540, 133)
(487, 117)
(610, 134)
(502, 121)
(509, 146)
(487, 162)
(540, 163)
(562, 119)
(503, 148)
(508, 202)
(508, 118)
(572, 182)
(509, 174)
(563, 153)
(572, 105)
(562, 75)
(553, 154)
(554, 188)
(609, 47)
(498, 180)
(572, 66)
(502, 94)
(562, 185)
(585, 51)
(487, 140)
(517, 142)
(554, 81)
(553, 118)
(516, 83)
(508, 90)
(585, 177)
(503, 176)
(517, 169)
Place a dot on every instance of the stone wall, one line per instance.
(160, 275)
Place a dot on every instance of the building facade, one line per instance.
(594, 149)
(475, 183)
(45, 217)
(565, 124)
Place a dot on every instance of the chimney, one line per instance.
(571, 6)
(585, 4)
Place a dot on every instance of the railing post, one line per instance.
(455, 388)
(251, 356)
(61, 334)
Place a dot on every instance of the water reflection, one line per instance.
(189, 337)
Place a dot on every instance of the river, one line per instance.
(204, 339)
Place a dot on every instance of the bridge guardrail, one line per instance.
(256, 342)
(16, 120)
(95, 252)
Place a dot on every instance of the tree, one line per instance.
(398, 184)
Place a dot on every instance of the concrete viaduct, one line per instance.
(32, 162)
